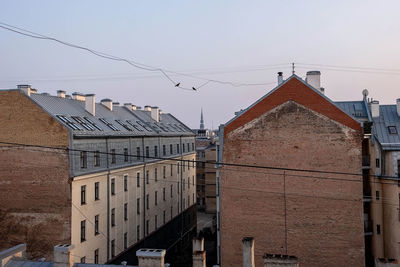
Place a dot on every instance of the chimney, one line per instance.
(78, 96)
(271, 260)
(198, 244)
(63, 256)
(26, 88)
(155, 114)
(151, 257)
(280, 77)
(116, 104)
(147, 108)
(128, 106)
(61, 93)
(199, 259)
(313, 78)
(33, 91)
(107, 103)
(398, 106)
(90, 104)
(374, 105)
(248, 252)
(133, 107)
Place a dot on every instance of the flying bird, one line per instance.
(194, 89)
(177, 85)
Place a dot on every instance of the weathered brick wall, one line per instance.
(35, 201)
(324, 217)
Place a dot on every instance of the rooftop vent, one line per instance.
(61, 93)
(107, 103)
(280, 77)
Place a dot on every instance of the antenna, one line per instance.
(293, 68)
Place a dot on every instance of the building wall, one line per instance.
(35, 196)
(210, 181)
(291, 212)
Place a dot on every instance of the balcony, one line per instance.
(366, 161)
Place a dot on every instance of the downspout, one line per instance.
(181, 172)
(108, 201)
(220, 153)
(144, 191)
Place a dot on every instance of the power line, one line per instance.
(130, 62)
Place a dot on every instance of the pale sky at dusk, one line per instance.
(233, 41)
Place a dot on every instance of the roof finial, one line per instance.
(293, 68)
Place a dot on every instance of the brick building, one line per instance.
(99, 176)
(292, 209)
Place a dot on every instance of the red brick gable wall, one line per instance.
(297, 91)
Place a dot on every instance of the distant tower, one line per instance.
(201, 120)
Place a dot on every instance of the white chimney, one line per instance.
(313, 78)
(107, 103)
(398, 106)
(198, 244)
(61, 93)
(280, 77)
(155, 114)
(78, 96)
(151, 257)
(128, 106)
(374, 108)
(90, 105)
(116, 104)
(133, 107)
(33, 91)
(26, 88)
(147, 108)
(248, 252)
(199, 259)
(63, 256)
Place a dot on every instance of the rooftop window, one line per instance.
(69, 122)
(84, 123)
(109, 124)
(92, 123)
(144, 126)
(124, 125)
(392, 129)
(131, 123)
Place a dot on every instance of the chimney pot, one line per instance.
(398, 106)
(61, 93)
(78, 96)
(147, 108)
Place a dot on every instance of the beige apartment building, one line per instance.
(99, 176)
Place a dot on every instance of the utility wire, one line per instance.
(130, 62)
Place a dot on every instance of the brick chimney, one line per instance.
(273, 260)
(90, 105)
(199, 259)
(151, 257)
(63, 256)
(248, 252)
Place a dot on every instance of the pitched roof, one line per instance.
(387, 117)
(294, 88)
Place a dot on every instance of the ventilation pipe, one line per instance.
(107, 103)
(90, 105)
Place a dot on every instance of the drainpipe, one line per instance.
(144, 191)
(108, 201)
(181, 172)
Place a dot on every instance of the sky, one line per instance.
(242, 42)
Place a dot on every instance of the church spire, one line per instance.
(201, 120)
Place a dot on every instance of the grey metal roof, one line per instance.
(355, 109)
(135, 122)
(387, 117)
(100, 265)
(26, 263)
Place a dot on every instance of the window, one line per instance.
(193, 179)
(96, 191)
(377, 163)
(96, 256)
(113, 217)
(138, 153)
(155, 174)
(172, 169)
(183, 184)
(126, 211)
(109, 124)
(123, 124)
(96, 158)
(96, 225)
(155, 151)
(163, 193)
(83, 159)
(184, 204)
(147, 201)
(192, 146)
(138, 206)
(125, 240)
(164, 171)
(147, 177)
(188, 182)
(83, 230)
(125, 182)
(392, 129)
(83, 259)
(147, 152)
(188, 201)
(155, 222)
(147, 227)
(171, 212)
(171, 190)
(178, 188)
(113, 186)
(138, 232)
(126, 156)
(113, 157)
(378, 229)
(183, 148)
(138, 179)
(155, 198)
(164, 217)
(193, 198)
(113, 248)
(377, 195)
(164, 150)
(177, 148)
(177, 167)
(170, 150)
(83, 194)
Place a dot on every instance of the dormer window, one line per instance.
(392, 129)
